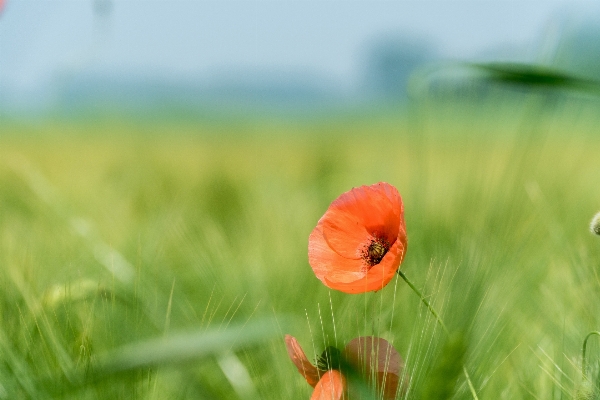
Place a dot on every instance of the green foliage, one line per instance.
(122, 254)
(535, 76)
(448, 369)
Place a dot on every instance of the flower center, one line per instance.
(374, 252)
(329, 359)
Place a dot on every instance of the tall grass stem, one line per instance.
(439, 320)
(583, 359)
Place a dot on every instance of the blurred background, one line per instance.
(162, 164)
(101, 56)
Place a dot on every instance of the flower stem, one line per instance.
(583, 360)
(439, 320)
(424, 300)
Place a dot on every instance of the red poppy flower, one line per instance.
(360, 241)
(331, 386)
(371, 357)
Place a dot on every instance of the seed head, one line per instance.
(585, 391)
(595, 224)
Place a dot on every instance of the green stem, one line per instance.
(424, 300)
(583, 360)
(439, 320)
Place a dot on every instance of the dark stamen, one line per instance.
(374, 253)
(329, 359)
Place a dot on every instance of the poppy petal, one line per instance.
(341, 248)
(309, 371)
(325, 261)
(331, 386)
(376, 357)
(358, 215)
(392, 193)
(376, 277)
(390, 385)
(344, 277)
(385, 202)
(344, 232)
(386, 269)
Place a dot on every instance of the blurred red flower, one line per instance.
(331, 386)
(372, 358)
(360, 241)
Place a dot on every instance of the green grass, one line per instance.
(167, 260)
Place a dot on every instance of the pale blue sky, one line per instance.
(183, 39)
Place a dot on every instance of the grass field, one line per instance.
(167, 260)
